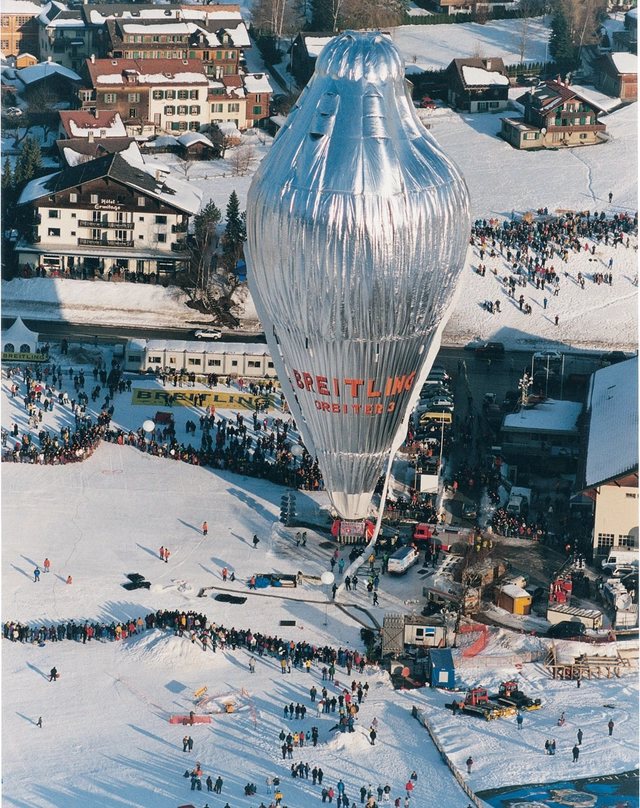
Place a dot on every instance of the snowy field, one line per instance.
(106, 739)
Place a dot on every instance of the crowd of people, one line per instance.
(226, 443)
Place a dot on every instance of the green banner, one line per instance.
(199, 398)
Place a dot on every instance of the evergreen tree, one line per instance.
(561, 46)
(7, 175)
(234, 232)
(29, 161)
(203, 244)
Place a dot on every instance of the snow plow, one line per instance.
(477, 702)
(509, 694)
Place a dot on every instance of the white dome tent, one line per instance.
(19, 342)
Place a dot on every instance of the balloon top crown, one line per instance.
(354, 56)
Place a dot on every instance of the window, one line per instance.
(183, 94)
(583, 121)
(140, 266)
(133, 98)
(531, 136)
(419, 633)
(183, 110)
(155, 39)
(194, 109)
(73, 197)
(214, 363)
(605, 541)
(175, 126)
(73, 232)
(169, 110)
(172, 360)
(161, 219)
(54, 214)
(94, 199)
(257, 110)
(162, 238)
(193, 95)
(182, 126)
(121, 235)
(252, 363)
(73, 216)
(158, 95)
(194, 126)
(141, 201)
(270, 364)
(234, 363)
(631, 496)
(194, 361)
(583, 136)
(133, 357)
(54, 231)
(626, 541)
(133, 112)
(232, 54)
(141, 218)
(234, 107)
(109, 98)
(95, 235)
(154, 360)
(216, 107)
(218, 54)
(170, 94)
(492, 104)
(482, 106)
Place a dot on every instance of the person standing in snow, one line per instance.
(373, 735)
(39, 722)
(162, 553)
(205, 528)
(255, 541)
(190, 743)
(576, 753)
(36, 575)
(252, 665)
(53, 675)
(166, 555)
(611, 725)
(579, 737)
(469, 764)
(47, 565)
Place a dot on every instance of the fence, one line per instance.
(502, 660)
(416, 713)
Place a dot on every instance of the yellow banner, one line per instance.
(176, 397)
(7, 356)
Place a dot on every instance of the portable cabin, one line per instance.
(441, 668)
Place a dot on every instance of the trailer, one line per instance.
(560, 612)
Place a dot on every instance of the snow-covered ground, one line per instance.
(106, 739)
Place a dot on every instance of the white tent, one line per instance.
(19, 339)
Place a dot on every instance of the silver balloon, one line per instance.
(357, 227)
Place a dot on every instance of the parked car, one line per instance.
(612, 358)
(208, 333)
(490, 350)
(427, 103)
(436, 403)
(402, 560)
(469, 509)
(567, 630)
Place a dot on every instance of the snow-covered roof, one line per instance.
(125, 167)
(103, 123)
(228, 128)
(606, 103)
(612, 448)
(257, 83)
(170, 28)
(625, 62)
(239, 35)
(164, 12)
(549, 416)
(514, 591)
(189, 138)
(28, 75)
(315, 44)
(199, 346)
(22, 7)
(477, 77)
(110, 72)
(18, 333)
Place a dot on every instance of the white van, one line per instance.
(402, 559)
(620, 558)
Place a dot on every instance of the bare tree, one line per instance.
(526, 11)
(242, 159)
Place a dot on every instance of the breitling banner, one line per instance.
(200, 398)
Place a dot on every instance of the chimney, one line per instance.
(48, 58)
(487, 64)
(90, 139)
(158, 175)
(93, 58)
(96, 112)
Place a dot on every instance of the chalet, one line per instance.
(60, 83)
(477, 85)
(20, 28)
(303, 53)
(627, 39)
(555, 115)
(546, 431)
(64, 36)
(258, 92)
(195, 146)
(110, 215)
(215, 34)
(151, 95)
(608, 471)
(80, 123)
(616, 74)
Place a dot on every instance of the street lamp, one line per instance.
(524, 384)
(327, 579)
(148, 427)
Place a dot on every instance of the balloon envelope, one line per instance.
(357, 228)
(327, 578)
